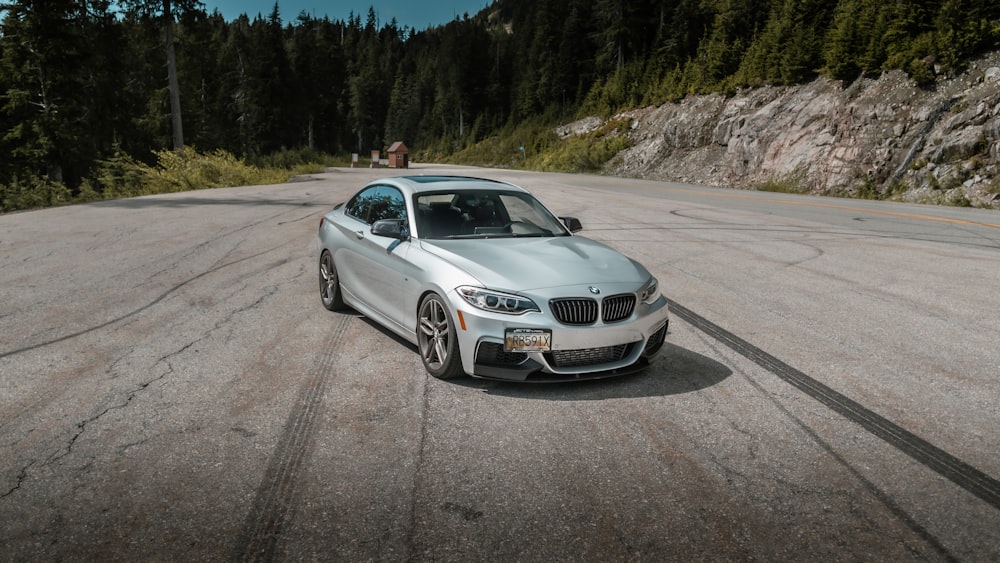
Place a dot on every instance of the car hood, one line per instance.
(524, 264)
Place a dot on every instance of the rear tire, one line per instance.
(329, 283)
(437, 339)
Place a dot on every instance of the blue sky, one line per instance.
(418, 14)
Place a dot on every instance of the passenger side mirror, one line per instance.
(572, 223)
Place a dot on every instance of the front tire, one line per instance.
(329, 283)
(437, 339)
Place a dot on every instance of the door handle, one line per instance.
(359, 234)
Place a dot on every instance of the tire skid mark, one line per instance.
(184, 253)
(973, 480)
(274, 504)
(303, 218)
(138, 310)
(421, 458)
(873, 489)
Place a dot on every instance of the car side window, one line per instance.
(376, 203)
(388, 203)
(361, 204)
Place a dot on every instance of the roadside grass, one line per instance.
(510, 147)
(535, 146)
(791, 183)
(121, 176)
(587, 152)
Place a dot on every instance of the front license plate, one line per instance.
(527, 340)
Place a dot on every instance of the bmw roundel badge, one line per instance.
(594, 290)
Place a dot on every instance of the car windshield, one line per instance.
(483, 214)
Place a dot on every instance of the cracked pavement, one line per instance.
(120, 344)
(171, 388)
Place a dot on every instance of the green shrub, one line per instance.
(791, 183)
(186, 169)
(588, 152)
(546, 151)
(121, 176)
(867, 188)
(117, 177)
(32, 193)
(957, 198)
(932, 181)
(295, 159)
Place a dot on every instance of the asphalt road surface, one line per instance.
(171, 388)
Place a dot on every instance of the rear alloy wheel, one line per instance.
(329, 283)
(437, 339)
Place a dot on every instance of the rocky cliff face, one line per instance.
(882, 137)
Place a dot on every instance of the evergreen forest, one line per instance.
(96, 96)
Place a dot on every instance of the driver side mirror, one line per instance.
(392, 228)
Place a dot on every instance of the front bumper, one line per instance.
(578, 353)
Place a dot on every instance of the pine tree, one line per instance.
(319, 68)
(966, 28)
(166, 11)
(45, 63)
(842, 40)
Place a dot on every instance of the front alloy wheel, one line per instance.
(437, 339)
(329, 283)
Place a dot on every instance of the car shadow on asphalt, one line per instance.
(675, 371)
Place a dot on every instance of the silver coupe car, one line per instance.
(486, 281)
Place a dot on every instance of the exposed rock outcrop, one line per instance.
(882, 137)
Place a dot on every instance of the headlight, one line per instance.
(650, 292)
(496, 302)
